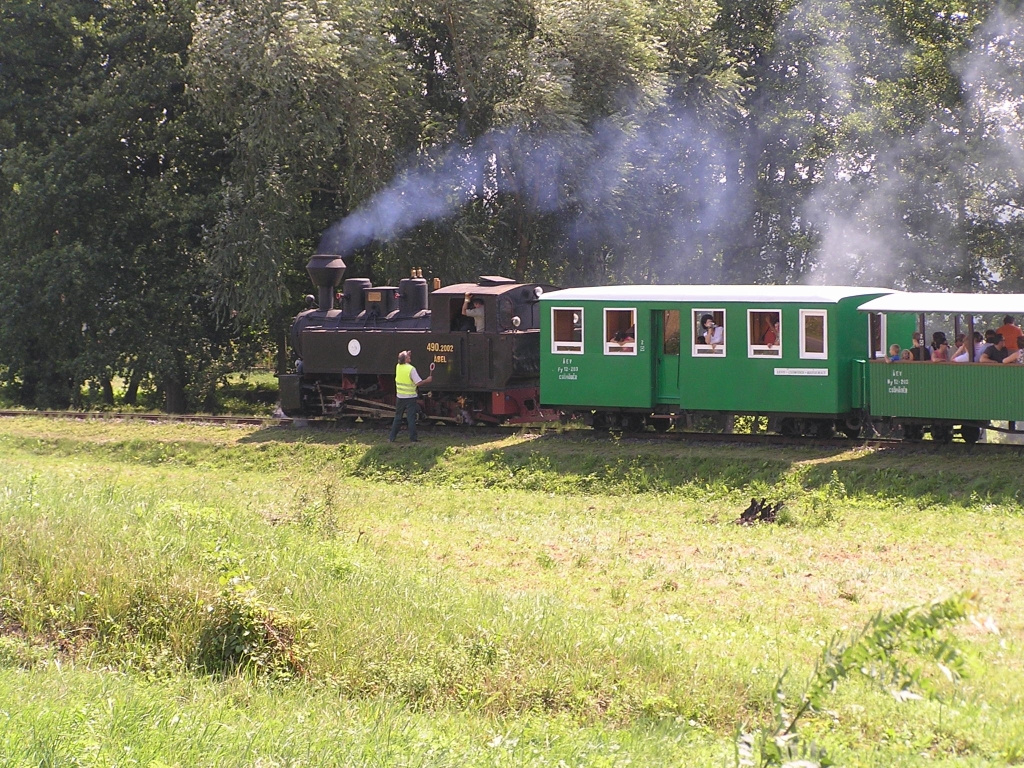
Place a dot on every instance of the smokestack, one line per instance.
(325, 270)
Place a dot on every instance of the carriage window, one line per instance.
(670, 332)
(620, 331)
(765, 329)
(876, 335)
(813, 335)
(567, 330)
(708, 332)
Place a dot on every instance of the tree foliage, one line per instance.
(167, 168)
(106, 182)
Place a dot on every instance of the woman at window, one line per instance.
(714, 334)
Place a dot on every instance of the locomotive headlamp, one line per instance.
(516, 321)
(537, 291)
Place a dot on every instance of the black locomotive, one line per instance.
(346, 355)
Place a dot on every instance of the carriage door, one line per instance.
(666, 355)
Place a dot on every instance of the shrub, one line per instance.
(242, 635)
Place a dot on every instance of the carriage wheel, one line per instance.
(971, 435)
(824, 429)
(660, 424)
(631, 422)
(851, 428)
(913, 432)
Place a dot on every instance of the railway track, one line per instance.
(549, 430)
(151, 417)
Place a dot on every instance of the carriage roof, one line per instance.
(805, 294)
(948, 303)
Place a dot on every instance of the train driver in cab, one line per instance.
(474, 308)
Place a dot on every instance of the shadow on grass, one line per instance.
(923, 474)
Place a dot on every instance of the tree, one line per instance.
(102, 215)
(312, 100)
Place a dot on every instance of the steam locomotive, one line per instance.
(346, 354)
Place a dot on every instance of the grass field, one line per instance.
(206, 596)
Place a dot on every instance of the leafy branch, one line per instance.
(889, 650)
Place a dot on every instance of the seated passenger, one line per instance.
(894, 353)
(940, 348)
(907, 354)
(959, 352)
(623, 340)
(771, 336)
(1015, 357)
(980, 344)
(996, 352)
(474, 308)
(1010, 332)
(920, 352)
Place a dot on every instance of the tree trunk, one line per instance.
(108, 390)
(131, 395)
(175, 400)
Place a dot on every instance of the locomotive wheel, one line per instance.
(942, 433)
(824, 429)
(971, 435)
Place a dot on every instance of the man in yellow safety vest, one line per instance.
(406, 382)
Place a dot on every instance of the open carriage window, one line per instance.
(708, 332)
(813, 335)
(670, 332)
(567, 330)
(765, 329)
(876, 335)
(620, 331)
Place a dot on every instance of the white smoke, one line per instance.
(899, 215)
(589, 178)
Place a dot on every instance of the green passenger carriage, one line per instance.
(624, 356)
(948, 397)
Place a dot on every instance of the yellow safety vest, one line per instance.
(404, 386)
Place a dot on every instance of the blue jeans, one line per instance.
(409, 407)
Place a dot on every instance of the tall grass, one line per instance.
(590, 602)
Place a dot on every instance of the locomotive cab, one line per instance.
(508, 306)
